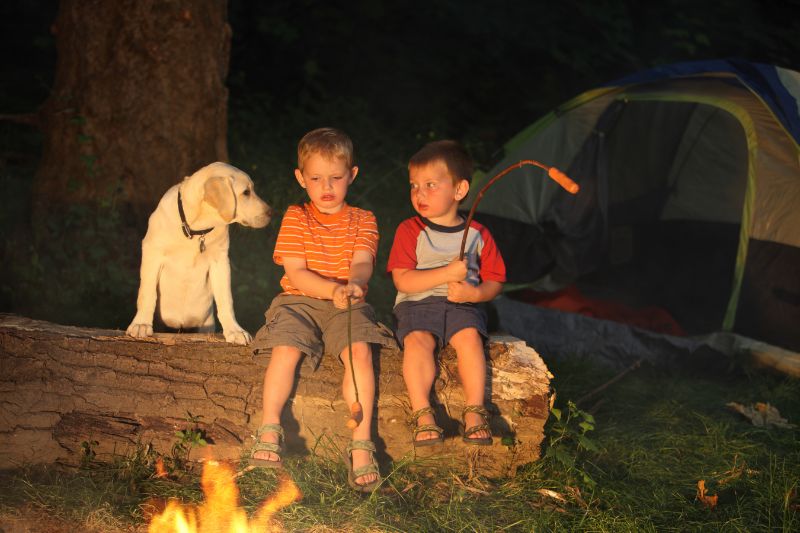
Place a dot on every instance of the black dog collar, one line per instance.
(189, 232)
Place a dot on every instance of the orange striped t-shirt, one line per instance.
(326, 241)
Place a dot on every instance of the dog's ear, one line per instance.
(219, 195)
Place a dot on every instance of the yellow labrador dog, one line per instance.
(185, 268)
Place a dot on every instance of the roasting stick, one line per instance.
(356, 412)
(557, 176)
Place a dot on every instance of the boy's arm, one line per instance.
(315, 285)
(410, 280)
(492, 275)
(307, 281)
(361, 269)
(356, 288)
(463, 292)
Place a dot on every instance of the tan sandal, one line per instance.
(369, 468)
(267, 447)
(433, 428)
(483, 441)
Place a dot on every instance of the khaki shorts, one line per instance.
(316, 327)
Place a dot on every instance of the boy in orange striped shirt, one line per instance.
(327, 249)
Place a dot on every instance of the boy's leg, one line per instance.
(419, 373)
(278, 383)
(472, 372)
(365, 379)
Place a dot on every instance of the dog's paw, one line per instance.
(140, 331)
(238, 336)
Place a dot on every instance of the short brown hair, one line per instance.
(328, 142)
(454, 156)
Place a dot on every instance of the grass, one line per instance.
(658, 434)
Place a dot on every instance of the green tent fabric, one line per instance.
(690, 197)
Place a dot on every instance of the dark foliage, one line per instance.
(393, 74)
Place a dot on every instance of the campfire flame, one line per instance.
(220, 513)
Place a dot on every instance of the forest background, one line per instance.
(394, 75)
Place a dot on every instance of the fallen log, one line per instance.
(65, 389)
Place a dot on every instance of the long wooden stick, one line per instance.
(356, 411)
(636, 364)
(558, 176)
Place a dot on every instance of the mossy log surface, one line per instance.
(63, 386)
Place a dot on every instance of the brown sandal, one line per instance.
(260, 446)
(370, 468)
(483, 441)
(433, 428)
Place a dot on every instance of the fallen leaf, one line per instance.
(761, 414)
(708, 501)
(410, 486)
(552, 494)
(161, 472)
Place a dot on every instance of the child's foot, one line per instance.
(362, 458)
(267, 449)
(426, 420)
(363, 474)
(264, 455)
(474, 419)
(476, 425)
(426, 432)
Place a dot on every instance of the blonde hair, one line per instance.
(328, 142)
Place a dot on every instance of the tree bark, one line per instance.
(62, 386)
(139, 101)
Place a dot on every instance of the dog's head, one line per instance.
(230, 192)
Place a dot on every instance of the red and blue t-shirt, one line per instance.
(422, 245)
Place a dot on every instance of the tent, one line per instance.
(689, 201)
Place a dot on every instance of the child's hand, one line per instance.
(461, 292)
(456, 270)
(343, 292)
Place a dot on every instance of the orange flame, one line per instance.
(220, 513)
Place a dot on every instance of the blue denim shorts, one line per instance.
(437, 315)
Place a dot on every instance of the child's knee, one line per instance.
(419, 341)
(467, 337)
(285, 356)
(361, 351)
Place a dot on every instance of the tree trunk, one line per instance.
(63, 386)
(139, 101)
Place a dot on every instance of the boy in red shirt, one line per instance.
(437, 292)
(327, 249)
